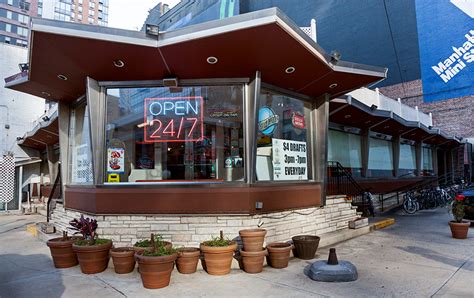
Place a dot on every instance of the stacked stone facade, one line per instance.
(190, 230)
(453, 116)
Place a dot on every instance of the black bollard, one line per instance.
(332, 260)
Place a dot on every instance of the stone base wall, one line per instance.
(190, 230)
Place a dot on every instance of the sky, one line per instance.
(131, 14)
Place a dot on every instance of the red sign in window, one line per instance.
(175, 119)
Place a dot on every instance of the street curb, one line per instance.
(384, 223)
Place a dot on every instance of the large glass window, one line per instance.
(80, 155)
(346, 149)
(175, 134)
(380, 158)
(427, 161)
(407, 161)
(283, 138)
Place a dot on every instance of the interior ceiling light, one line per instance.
(290, 69)
(333, 85)
(212, 60)
(386, 126)
(119, 63)
(368, 122)
(62, 77)
(347, 116)
(45, 94)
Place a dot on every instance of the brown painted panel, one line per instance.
(191, 200)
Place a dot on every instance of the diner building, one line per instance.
(222, 125)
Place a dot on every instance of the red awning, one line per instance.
(265, 41)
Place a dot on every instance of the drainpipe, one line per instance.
(7, 123)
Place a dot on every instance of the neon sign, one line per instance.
(175, 119)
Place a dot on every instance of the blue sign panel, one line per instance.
(446, 40)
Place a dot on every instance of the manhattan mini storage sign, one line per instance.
(446, 40)
(289, 160)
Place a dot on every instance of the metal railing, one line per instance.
(341, 182)
(54, 195)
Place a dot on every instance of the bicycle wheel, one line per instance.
(410, 206)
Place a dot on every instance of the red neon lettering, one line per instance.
(194, 125)
(166, 129)
(156, 132)
(180, 127)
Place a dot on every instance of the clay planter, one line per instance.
(155, 271)
(253, 260)
(62, 253)
(252, 239)
(218, 259)
(188, 258)
(167, 245)
(93, 258)
(124, 259)
(278, 254)
(459, 230)
(305, 246)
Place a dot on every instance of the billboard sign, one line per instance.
(446, 41)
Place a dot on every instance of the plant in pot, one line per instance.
(61, 250)
(459, 228)
(92, 251)
(218, 253)
(188, 258)
(278, 254)
(156, 265)
(145, 244)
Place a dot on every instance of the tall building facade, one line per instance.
(15, 15)
(414, 39)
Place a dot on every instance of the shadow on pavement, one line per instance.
(29, 276)
(433, 255)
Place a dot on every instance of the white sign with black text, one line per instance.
(289, 160)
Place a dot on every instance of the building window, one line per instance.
(9, 15)
(8, 27)
(10, 2)
(91, 5)
(345, 148)
(407, 163)
(23, 19)
(186, 134)
(380, 158)
(7, 39)
(91, 20)
(24, 5)
(80, 154)
(79, 9)
(283, 138)
(40, 11)
(427, 161)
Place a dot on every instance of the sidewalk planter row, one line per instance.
(156, 258)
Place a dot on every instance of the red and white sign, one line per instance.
(298, 121)
(175, 119)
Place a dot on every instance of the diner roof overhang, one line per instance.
(43, 134)
(265, 41)
(350, 112)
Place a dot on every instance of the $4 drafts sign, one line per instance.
(289, 160)
(174, 119)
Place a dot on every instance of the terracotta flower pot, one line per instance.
(459, 230)
(305, 246)
(93, 258)
(124, 259)
(252, 239)
(62, 253)
(253, 260)
(155, 271)
(188, 258)
(218, 260)
(278, 254)
(167, 245)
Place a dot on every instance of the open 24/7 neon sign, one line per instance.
(174, 119)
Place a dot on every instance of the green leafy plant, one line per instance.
(157, 247)
(147, 243)
(218, 241)
(458, 208)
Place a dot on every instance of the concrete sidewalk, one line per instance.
(414, 257)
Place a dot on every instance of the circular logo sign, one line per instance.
(267, 120)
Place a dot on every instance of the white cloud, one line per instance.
(128, 14)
